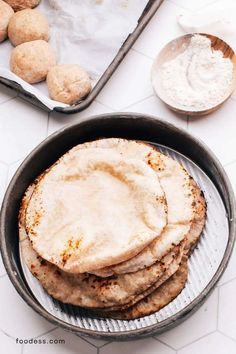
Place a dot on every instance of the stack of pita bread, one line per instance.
(110, 226)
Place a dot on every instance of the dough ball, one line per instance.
(18, 5)
(32, 60)
(28, 25)
(68, 83)
(6, 13)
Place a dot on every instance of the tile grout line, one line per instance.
(4, 163)
(137, 102)
(8, 99)
(218, 308)
(47, 128)
(229, 163)
(3, 275)
(226, 282)
(140, 53)
(145, 55)
(196, 340)
(104, 105)
(22, 349)
(77, 335)
(226, 335)
(18, 160)
(162, 342)
(45, 333)
(7, 334)
(109, 342)
(6, 178)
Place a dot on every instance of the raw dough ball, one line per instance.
(22, 4)
(68, 83)
(5, 14)
(28, 25)
(32, 60)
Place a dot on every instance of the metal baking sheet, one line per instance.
(147, 14)
(203, 264)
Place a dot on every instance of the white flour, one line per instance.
(199, 77)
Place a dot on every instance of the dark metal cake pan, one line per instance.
(123, 125)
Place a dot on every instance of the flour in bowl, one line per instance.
(198, 78)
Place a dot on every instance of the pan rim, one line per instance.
(128, 334)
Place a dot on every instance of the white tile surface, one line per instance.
(202, 322)
(227, 309)
(193, 4)
(9, 345)
(154, 106)
(145, 346)
(231, 172)
(17, 319)
(2, 268)
(58, 120)
(129, 84)
(218, 131)
(161, 29)
(22, 127)
(12, 169)
(222, 7)
(98, 343)
(230, 272)
(212, 344)
(3, 179)
(6, 94)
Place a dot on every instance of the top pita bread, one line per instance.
(95, 207)
(88, 290)
(179, 192)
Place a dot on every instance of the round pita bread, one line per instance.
(173, 267)
(158, 299)
(88, 290)
(172, 236)
(180, 196)
(74, 215)
(198, 222)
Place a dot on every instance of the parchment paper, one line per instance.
(85, 32)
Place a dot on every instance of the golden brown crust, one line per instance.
(26, 26)
(86, 290)
(159, 298)
(118, 297)
(68, 83)
(6, 14)
(31, 61)
(129, 240)
(166, 275)
(18, 5)
(198, 223)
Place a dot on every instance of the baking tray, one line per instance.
(206, 264)
(146, 16)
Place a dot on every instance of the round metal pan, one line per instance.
(131, 126)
